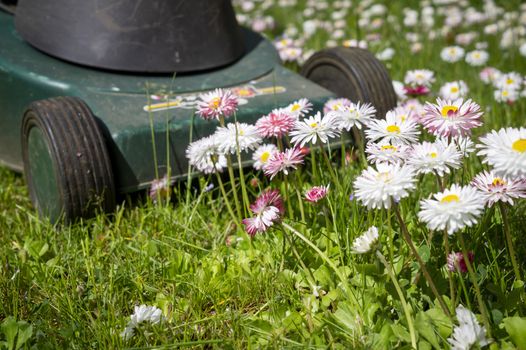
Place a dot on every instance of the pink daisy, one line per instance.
(456, 261)
(160, 188)
(216, 104)
(276, 124)
(268, 209)
(451, 118)
(336, 104)
(316, 193)
(282, 161)
(497, 189)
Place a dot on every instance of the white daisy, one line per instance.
(204, 155)
(505, 151)
(453, 209)
(509, 81)
(142, 313)
(454, 90)
(499, 189)
(506, 95)
(262, 155)
(452, 54)
(399, 90)
(394, 129)
(247, 137)
(468, 333)
(437, 156)
(353, 115)
(375, 188)
(335, 104)
(366, 242)
(313, 128)
(386, 153)
(477, 57)
(299, 108)
(489, 75)
(464, 144)
(419, 77)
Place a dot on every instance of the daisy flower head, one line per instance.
(464, 144)
(299, 108)
(468, 333)
(316, 193)
(366, 242)
(386, 153)
(451, 117)
(453, 209)
(509, 81)
(397, 128)
(160, 188)
(454, 90)
(452, 54)
(262, 154)
(216, 104)
(313, 128)
(377, 187)
(489, 75)
(505, 95)
(505, 151)
(335, 104)
(456, 262)
(437, 156)
(234, 135)
(499, 189)
(277, 123)
(142, 313)
(355, 114)
(267, 209)
(283, 161)
(477, 58)
(419, 77)
(414, 109)
(399, 89)
(205, 156)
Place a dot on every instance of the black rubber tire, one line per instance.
(353, 73)
(81, 164)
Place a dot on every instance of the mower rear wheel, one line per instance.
(66, 163)
(353, 73)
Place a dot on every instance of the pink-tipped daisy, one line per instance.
(394, 129)
(262, 155)
(505, 151)
(456, 261)
(438, 157)
(160, 188)
(299, 108)
(355, 114)
(216, 104)
(313, 129)
(499, 189)
(278, 123)
(316, 193)
(386, 153)
(453, 209)
(451, 118)
(376, 188)
(268, 209)
(283, 161)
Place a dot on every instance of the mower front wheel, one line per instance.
(66, 163)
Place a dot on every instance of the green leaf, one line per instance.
(425, 327)
(441, 321)
(25, 330)
(347, 318)
(10, 329)
(400, 332)
(516, 328)
(425, 252)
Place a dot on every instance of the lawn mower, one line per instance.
(89, 89)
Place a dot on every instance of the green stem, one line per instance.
(506, 227)
(407, 311)
(189, 171)
(246, 202)
(449, 273)
(234, 217)
(298, 256)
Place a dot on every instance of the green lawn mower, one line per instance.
(86, 86)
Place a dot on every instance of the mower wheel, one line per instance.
(353, 73)
(66, 163)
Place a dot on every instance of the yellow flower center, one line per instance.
(519, 145)
(295, 107)
(509, 81)
(336, 107)
(447, 110)
(477, 55)
(498, 182)
(388, 148)
(313, 125)
(450, 198)
(265, 156)
(454, 89)
(214, 103)
(403, 117)
(505, 93)
(393, 129)
(385, 176)
(241, 133)
(433, 155)
(419, 76)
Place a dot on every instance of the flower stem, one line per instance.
(449, 274)
(246, 202)
(506, 227)
(407, 237)
(474, 281)
(407, 311)
(234, 217)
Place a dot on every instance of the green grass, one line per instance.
(76, 286)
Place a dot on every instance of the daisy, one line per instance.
(276, 124)
(451, 118)
(419, 77)
(313, 128)
(386, 153)
(376, 188)
(283, 161)
(160, 188)
(366, 242)
(506, 95)
(262, 155)
(393, 129)
(414, 109)
(235, 135)
(489, 75)
(498, 189)
(468, 333)
(452, 54)
(216, 104)
(477, 58)
(505, 151)
(453, 209)
(456, 262)
(454, 90)
(204, 155)
(436, 156)
(509, 81)
(464, 144)
(399, 90)
(268, 209)
(335, 104)
(316, 193)
(299, 108)
(353, 115)
(142, 313)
